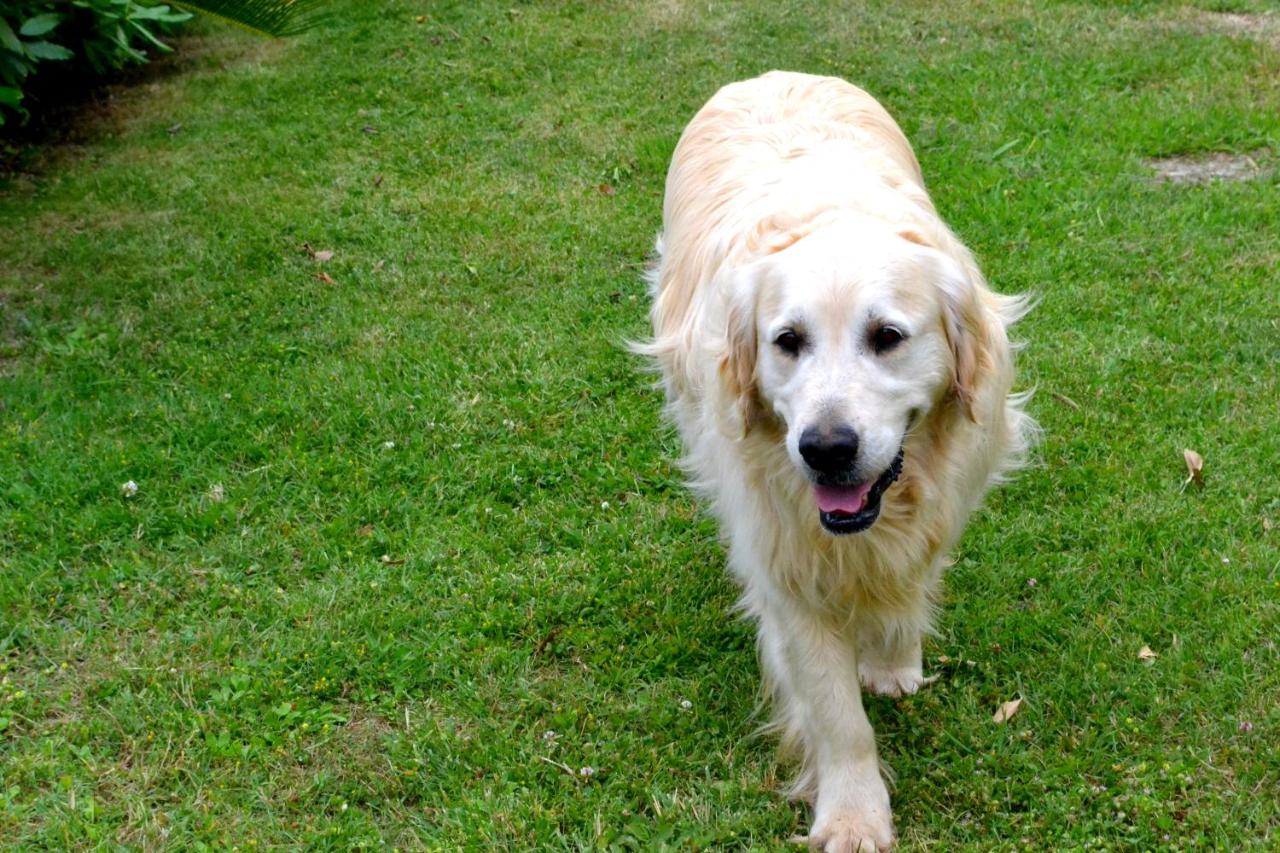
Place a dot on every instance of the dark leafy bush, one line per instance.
(99, 35)
(120, 29)
(96, 36)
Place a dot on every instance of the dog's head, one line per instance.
(849, 336)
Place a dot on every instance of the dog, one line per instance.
(840, 375)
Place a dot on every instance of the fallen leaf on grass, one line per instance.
(325, 277)
(1145, 653)
(364, 530)
(1006, 711)
(1195, 468)
(547, 640)
(321, 256)
(606, 189)
(1065, 400)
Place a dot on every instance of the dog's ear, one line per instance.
(738, 364)
(967, 326)
(780, 231)
(963, 320)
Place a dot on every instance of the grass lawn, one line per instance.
(409, 551)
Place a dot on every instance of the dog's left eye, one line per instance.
(789, 342)
(886, 338)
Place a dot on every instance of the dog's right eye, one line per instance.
(789, 342)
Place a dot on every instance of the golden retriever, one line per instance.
(840, 374)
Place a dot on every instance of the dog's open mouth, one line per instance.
(853, 508)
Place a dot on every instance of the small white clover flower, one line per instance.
(604, 504)
(587, 772)
(388, 445)
(217, 493)
(686, 705)
(549, 735)
(129, 489)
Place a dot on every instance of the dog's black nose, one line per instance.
(829, 451)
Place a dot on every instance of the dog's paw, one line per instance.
(893, 681)
(848, 832)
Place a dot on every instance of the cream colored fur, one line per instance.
(795, 192)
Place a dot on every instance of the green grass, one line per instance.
(366, 643)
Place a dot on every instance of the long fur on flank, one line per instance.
(765, 164)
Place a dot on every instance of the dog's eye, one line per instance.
(789, 342)
(886, 338)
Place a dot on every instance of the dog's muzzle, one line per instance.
(853, 508)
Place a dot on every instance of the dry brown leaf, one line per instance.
(326, 255)
(1065, 400)
(1145, 653)
(606, 189)
(1006, 711)
(1195, 468)
(364, 530)
(325, 277)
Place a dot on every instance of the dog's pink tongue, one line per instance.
(846, 499)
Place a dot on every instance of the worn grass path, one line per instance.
(408, 551)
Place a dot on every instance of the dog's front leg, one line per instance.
(889, 659)
(819, 696)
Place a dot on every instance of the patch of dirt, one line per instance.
(1206, 168)
(1263, 27)
(663, 14)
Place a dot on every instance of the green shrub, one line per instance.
(101, 35)
(116, 29)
